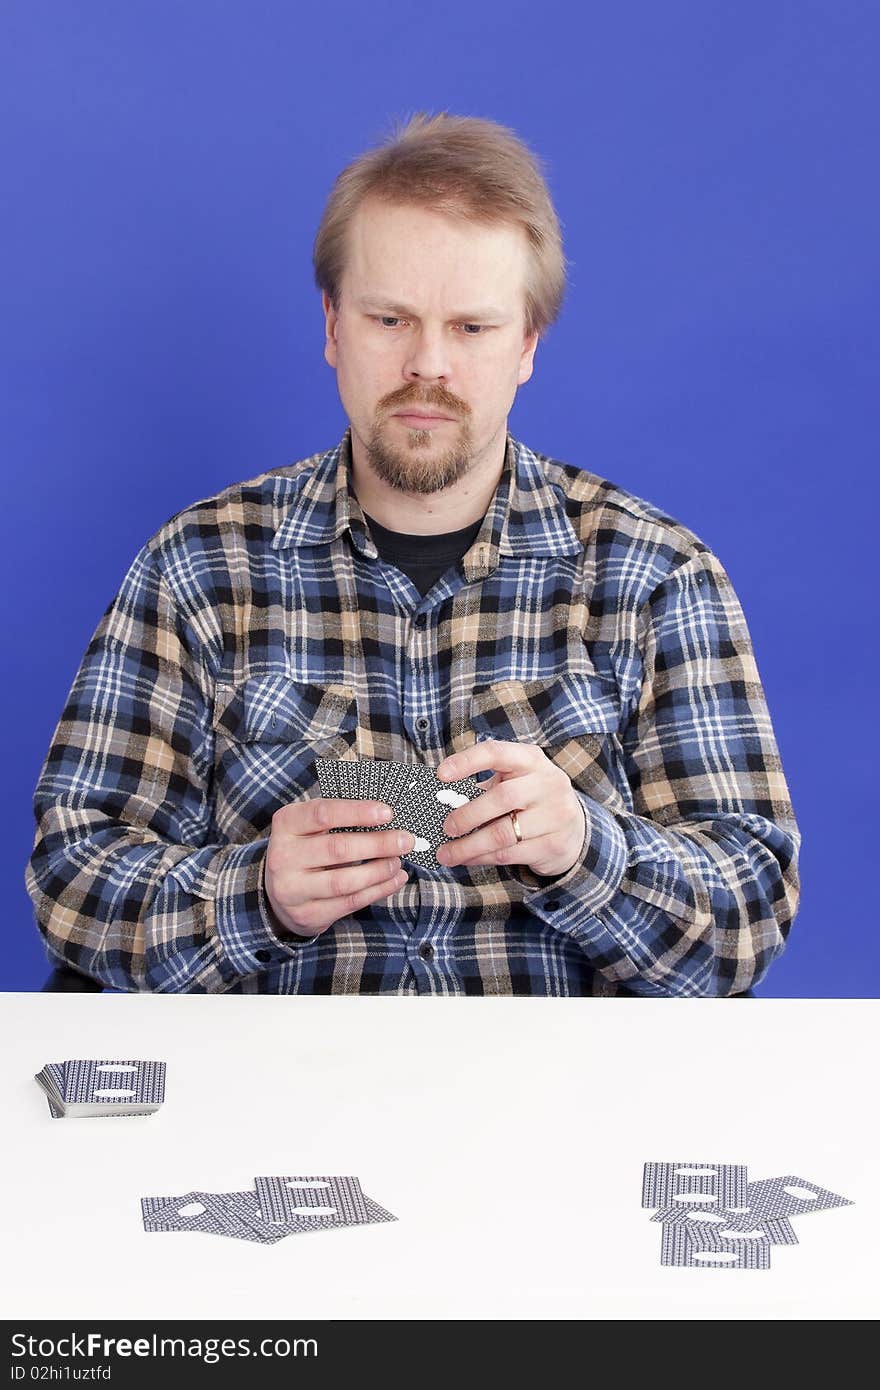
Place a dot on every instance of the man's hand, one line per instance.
(550, 817)
(313, 878)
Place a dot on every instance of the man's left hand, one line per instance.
(547, 812)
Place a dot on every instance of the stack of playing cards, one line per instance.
(279, 1207)
(84, 1087)
(419, 800)
(712, 1216)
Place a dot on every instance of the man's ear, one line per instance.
(526, 362)
(331, 318)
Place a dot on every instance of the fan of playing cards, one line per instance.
(419, 800)
(83, 1087)
(278, 1207)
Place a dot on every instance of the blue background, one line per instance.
(714, 165)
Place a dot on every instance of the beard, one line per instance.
(417, 464)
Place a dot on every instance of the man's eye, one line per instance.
(388, 321)
(471, 330)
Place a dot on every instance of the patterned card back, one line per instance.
(419, 800)
(771, 1197)
(240, 1215)
(778, 1230)
(113, 1083)
(695, 1184)
(234, 1214)
(708, 1249)
(313, 1201)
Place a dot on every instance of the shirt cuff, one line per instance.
(243, 915)
(591, 882)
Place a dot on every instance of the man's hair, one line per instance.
(464, 167)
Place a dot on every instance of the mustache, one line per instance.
(436, 397)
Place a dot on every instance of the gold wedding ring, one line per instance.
(514, 821)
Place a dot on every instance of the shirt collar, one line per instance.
(526, 516)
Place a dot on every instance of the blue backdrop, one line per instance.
(714, 165)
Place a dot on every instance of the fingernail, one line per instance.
(382, 812)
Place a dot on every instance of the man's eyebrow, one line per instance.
(386, 306)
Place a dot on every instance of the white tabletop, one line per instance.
(508, 1136)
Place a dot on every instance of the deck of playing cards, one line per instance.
(84, 1087)
(713, 1217)
(419, 800)
(276, 1207)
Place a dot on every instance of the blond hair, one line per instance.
(462, 166)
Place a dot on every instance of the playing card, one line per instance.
(239, 1214)
(338, 777)
(377, 1213)
(422, 807)
(325, 769)
(185, 1213)
(778, 1230)
(395, 779)
(787, 1196)
(371, 775)
(234, 1214)
(98, 1087)
(420, 801)
(311, 1202)
(705, 1184)
(348, 779)
(709, 1248)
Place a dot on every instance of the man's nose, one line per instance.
(428, 357)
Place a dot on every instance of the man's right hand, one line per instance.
(313, 878)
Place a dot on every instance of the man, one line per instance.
(431, 591)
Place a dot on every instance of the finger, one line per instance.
(534, 853)
(343, 882)
(500, 756)
(480, 845)
(327, 851)
(323, 912)
(318, 814)
(508, 794)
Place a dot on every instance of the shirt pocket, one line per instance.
(573, 718)
(268, 732)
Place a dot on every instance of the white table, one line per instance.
(508, 1137)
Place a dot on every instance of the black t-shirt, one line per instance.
(422, 558)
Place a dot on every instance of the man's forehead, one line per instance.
(392, 247)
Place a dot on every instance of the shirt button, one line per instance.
(423, 723)
(264, 956)
(420, 619)
(551, 904)
(426, 952)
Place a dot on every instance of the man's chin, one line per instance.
(420, 482)
(423, 464)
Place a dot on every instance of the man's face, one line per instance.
(429, 342)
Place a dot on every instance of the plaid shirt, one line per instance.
(259, 630)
